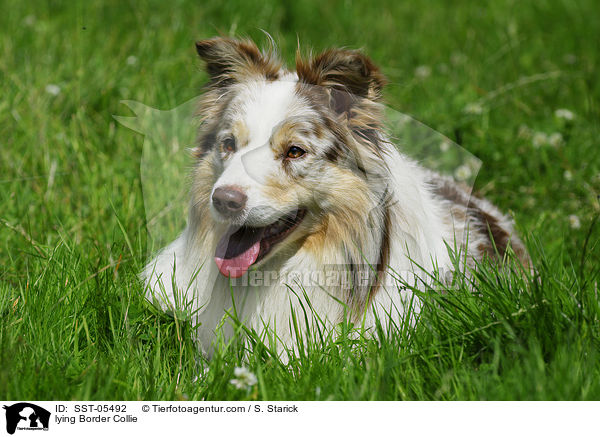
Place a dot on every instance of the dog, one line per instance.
(296, 182)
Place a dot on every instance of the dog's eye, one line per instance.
(229, 145)
(294, 152)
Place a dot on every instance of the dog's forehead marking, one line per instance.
(264, 105)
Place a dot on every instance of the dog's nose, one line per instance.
(229, 200)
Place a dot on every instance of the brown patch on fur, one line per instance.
(487, 224)
(468, 207)
(203, 180)
(212, 104)
(316, 97)
(345, 144)
(241, 133)
(315, 241)
(326, 236)
(348, 204)
(384, 254)
(343, 70)
(458, 213)
(206, 142)
(333, 153)
(317, 130)
(287, 134)
(230, 60)
(484, 249)
(344, 88)
(500, 239)
(455, 192)
(294, 132)
(283, 193)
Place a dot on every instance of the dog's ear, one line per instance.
(348, 74)
(230, 60)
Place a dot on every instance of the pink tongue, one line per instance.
(236, 267)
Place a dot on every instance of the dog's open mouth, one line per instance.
(241, 247)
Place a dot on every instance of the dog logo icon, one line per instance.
(26, 416)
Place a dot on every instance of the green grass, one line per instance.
(73, 322)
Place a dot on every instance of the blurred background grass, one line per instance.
(489, 76)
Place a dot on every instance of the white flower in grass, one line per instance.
(539, 139)
(445, 145)
(565, 114)
(474, 108)
(556, 139)
(423, 71)
(530, 202)
(457, 58)
(524, 132)
(53, 89)
(463, 172)
(132, 60)
(29, 20)
(474, 163)
(568, 175)
(574, 221)
(244, 378)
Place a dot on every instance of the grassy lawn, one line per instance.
(73, 321)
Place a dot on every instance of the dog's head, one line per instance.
(286, 158)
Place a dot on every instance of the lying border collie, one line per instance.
(296, 184)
